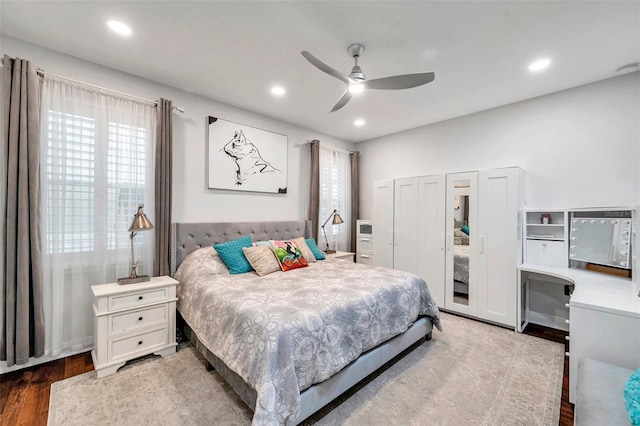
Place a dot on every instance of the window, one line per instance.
(335, 193)
(97, 166)
(75, 219)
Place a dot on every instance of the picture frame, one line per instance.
(245, 158)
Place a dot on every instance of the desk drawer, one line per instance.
(136, 299)
(141, 318)
(129, 346)
(546, 253)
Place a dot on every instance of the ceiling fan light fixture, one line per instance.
(355, 88)
(277, 91)
(359, 122)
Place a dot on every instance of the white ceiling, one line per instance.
(234, 52)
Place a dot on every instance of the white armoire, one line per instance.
(422, 218)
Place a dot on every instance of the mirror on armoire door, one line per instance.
(460, 282)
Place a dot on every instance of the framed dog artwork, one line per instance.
(243, 158)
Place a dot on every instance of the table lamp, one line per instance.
(337, 220)
(140, 223)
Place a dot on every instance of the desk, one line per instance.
(604, 318)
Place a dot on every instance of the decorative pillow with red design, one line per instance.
(288, 254)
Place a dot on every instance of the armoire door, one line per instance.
(383, 223)
(431, 234)
(405, 225)
(461, 265)
(500, 243)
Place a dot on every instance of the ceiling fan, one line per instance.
(356, 81)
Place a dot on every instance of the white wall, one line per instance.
(579, 147)
(192, 201)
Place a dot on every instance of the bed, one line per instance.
(290, 342)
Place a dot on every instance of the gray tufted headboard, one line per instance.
(188, 237)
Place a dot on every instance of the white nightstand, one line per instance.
(342, 255)
(131, 321)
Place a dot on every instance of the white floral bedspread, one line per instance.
(288, 330)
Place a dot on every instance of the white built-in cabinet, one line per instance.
(501, 202)
(546, 235)
(405, 225)
(418, 216)
(431, 233)
(383, 219)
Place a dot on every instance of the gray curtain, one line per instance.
(164, 154)
(22, 323)
(355, 196)
(314, 188)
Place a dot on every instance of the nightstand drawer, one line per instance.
(127, 347)
(365, 244)
(135, 299)
(130, 321)
(364, 258)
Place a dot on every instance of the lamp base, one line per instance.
(330, 251)
(129, 280)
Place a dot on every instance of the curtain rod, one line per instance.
(344, 151)
(43, 73)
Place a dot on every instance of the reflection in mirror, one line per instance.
(461, 249)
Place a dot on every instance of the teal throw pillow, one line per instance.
(231, 254)
(465, 229)
(632, 397)
(319, 255)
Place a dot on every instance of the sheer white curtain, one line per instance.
(97, 167)
(335, 193)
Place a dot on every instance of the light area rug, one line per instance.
(471, 374)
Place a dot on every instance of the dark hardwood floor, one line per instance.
(566, 408)
(24, 394)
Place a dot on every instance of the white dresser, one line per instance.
(131, 321)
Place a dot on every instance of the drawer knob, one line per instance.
(140, 342)
(139, 297)
(139, 318)
(567, 338)
(566, 305)
(567, 355)
(567, 321)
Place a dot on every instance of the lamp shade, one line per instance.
(337, 220)
(140, 221)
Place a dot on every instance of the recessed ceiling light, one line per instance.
(539, 65)
(356, 88)
(359, 122)
(119, 27)
(277, 90)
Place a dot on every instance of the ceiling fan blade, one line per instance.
(324, 67)
(346, 96)
(396, 82)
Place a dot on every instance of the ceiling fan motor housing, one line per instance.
(357, 74)
(355, 50)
